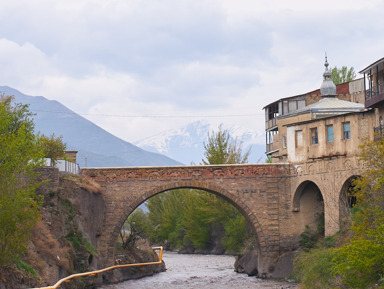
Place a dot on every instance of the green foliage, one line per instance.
(314, 269)
(20, 157)
(360, 263)
(189, 216)
(136, 226)
(138, 222)
(236, 232)
(74, 235)
(223, 149)
(69, 208)
(27, 269)
(196, 219)
(53, 148)
(307, 239)
(343, 74)
(88, 246)
(79, 242)
(166, 217)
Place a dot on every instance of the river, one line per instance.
(199, 271)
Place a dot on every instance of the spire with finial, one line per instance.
(328, 88)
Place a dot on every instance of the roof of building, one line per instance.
(328, 106)
(369, 67)
(323, 118)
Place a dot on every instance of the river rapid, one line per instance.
(199, 271)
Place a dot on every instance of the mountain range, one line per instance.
(96, 147)
(186, 144)
(99, 148)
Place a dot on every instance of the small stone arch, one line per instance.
(217, 190)
(298, 193)
(308, 207)
(346, 201)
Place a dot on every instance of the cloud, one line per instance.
(188, 58)
(22, 64)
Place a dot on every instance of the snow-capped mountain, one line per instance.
(186, 144)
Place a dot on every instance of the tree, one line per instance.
(223, 149)
(20, 156)
(135, 227)
(342, 75)
(53, 148)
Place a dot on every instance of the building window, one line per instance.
(314, 137)
(347, 130)
(284, 142)
(299, 138)
(330, 137)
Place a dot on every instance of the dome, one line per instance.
(327, 88)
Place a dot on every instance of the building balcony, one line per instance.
(374, 96)
(270, 124)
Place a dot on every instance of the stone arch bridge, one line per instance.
(277, 200)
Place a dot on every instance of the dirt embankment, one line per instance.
(64, 241)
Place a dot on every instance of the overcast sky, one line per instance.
(137, 67)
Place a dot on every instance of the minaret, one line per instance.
(327, 88)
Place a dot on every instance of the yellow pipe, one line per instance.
(67, 279)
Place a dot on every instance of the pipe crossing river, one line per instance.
(199, 271)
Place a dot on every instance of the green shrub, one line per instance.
(314, 269)
(307, 239)
(360, 263)
(26, 268)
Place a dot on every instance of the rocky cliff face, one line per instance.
(64, 241)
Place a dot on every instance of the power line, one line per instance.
(149, 116)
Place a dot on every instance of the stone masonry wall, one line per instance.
(261, 192)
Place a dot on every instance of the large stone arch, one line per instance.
(260, 191)
(308, 206)
(192, 184)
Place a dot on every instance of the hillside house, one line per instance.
(328, 122)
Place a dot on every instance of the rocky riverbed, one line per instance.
(200, 271)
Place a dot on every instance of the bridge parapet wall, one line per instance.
(186, 172)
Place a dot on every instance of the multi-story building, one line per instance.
(312, 125)
(319, 133)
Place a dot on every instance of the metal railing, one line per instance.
(375, 90)
(94, 273)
